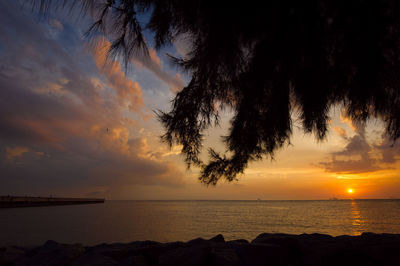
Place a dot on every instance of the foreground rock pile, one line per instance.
(266, 249)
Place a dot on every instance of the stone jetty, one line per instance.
(14, 201)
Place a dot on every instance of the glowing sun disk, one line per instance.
(350, 190)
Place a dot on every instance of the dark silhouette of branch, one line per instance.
(264, 60)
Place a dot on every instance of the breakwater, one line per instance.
(15, 201)
(267, 249)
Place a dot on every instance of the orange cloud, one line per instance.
(345, 119)
(54, 87)
(12, 153)
(154, 57)
(340, 131)
(126, 89)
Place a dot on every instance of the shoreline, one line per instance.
(265, 249)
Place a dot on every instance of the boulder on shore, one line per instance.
(266, 249)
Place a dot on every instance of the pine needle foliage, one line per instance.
(263, 59)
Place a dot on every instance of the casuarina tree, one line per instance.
(264, 60)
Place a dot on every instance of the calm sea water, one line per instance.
(126, 221)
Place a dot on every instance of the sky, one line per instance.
(74, 124)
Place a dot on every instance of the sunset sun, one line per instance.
(350, 190)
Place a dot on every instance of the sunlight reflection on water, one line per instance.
(125, 221)
(357, 220)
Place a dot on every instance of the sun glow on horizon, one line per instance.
(350, 190)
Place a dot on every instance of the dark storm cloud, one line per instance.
(61, 122)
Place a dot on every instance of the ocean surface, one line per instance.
(165, 221)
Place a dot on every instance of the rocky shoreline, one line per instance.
(265, 249)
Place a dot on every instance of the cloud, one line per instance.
(359, 156)
(390, 150)
(356, 155)
(14, 152)
(340, 131)
(356, 145)
(345, 119)
(56, 24)
(183, 45)
(154, 57)
(153, 64)
(68, 120)
(364, 165)
(53, 87)
(126, 89)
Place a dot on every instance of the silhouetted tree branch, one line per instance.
(264, 60)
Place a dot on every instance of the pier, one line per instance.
(15, 201)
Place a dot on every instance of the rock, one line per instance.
(238, 241)
(94, 259)
(217, 239)
(117, 252)
(194, 255)
(265, 237)
(289, 242)
(146, 243)
(369, 249)
(315, 237)
(349, 257)
(224, 256)
(261, 254)
(197, 241)
(10, 254)
(138, 260)
(135, 253)
(51, 253)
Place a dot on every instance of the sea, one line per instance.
(167, 221)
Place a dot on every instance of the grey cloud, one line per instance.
(69, 145)
(390, 150)
(364, 165)
(357, 146)
(153, 64)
